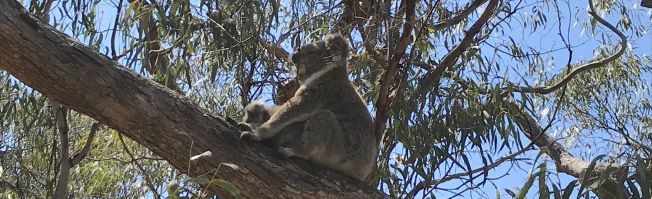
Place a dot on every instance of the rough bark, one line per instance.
(565, 162)
(61, 190)
(168, 124)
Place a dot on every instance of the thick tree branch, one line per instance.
(585, 67)
(431, 80)
(564, 161)
(646, 3)
(171, 126)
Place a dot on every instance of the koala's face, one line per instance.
(256, 114)
(314, 57)
(310, 58)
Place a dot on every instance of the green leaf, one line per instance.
(497, 190)
(526, 186)
(173, 190)
(226, 185)
(569, 189)
(543, 188)
(556, 192)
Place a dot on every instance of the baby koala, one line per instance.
(326, 121)
(257, 112)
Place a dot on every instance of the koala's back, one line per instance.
(353, 149)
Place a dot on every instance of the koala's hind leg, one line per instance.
(317, 134)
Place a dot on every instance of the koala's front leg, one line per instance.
(257, 134)
(299, 108)
(271, 127)
(249, 135)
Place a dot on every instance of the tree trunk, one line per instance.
(168, 124)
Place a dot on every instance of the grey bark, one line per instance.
(565, 162)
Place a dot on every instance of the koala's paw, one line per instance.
(249, 136)
(286, 152)
(245, 127)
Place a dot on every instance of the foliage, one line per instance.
(443, 139)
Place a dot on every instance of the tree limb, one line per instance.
(383, 103)
(585, 67)
(156, 117)
(564, 161)
(429, 183)
(459, 17)
(431, 80)
(61, 191)
(146, 177)
(87, 147)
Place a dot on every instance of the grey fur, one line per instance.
(257, 112)
(326, 121)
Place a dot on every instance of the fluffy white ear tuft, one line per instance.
(337, 43)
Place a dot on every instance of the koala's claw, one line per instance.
(248, 136)
(244, 127)
(285, 152)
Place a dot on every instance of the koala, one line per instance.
(257, 112)
(325, 121)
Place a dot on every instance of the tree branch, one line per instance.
(427, 183)
(383, 103)
(585, 67)
(564, 161)
(87, 147)
(459, 17)
(276, 50)
(156, 117)
(431, 81)
(148, 180)
(65, 164)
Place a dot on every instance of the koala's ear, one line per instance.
(337, 43)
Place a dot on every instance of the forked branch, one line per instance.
(585, 67)
(431, 80)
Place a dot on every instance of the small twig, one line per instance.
(115, 29)
(487, 167)
(146, 176)
(458, 18)
(87, 147)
